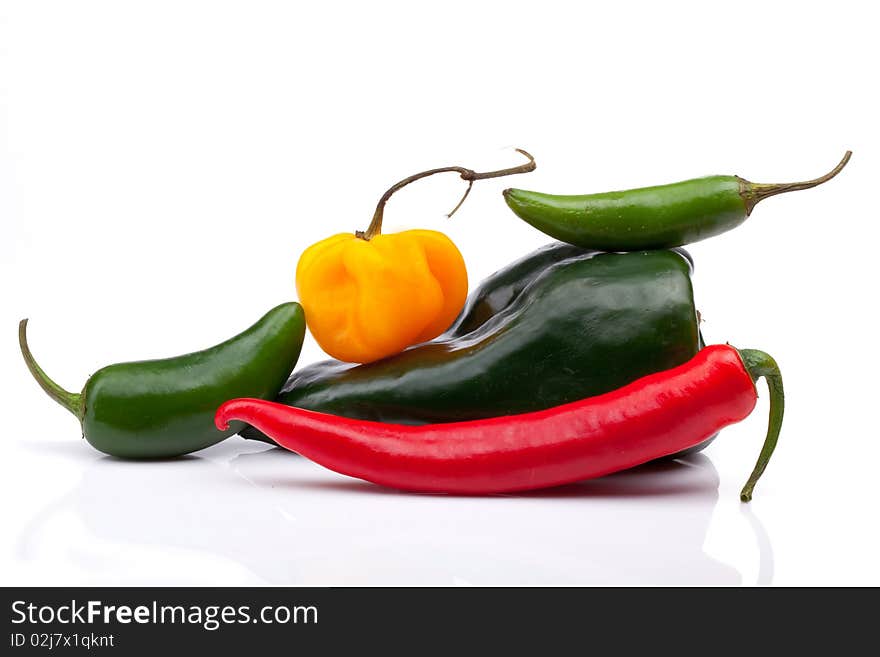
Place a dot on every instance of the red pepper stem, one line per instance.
(69, 400)
(375, 227)
(760, 364)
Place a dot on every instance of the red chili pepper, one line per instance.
(654, 416)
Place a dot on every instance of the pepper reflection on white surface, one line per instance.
(269, 517)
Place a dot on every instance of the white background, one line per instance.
(163, 164)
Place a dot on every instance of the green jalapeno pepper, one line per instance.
(651, 217)
(559, 325)
(163, 408)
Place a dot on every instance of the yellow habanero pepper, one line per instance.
(367, 295)
(365, 300)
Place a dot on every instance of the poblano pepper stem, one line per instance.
(760, 364)
(469, 175)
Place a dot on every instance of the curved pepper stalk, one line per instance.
(761, 364)
(72, 401)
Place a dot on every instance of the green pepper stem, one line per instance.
(752, 193)
(760, 364)
(69, 400)
(469, 175)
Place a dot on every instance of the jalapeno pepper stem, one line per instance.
(69, 400)
(752, 193)
(375, 227)
(760, 364)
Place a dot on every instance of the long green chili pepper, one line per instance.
(163, 408)
(651, 217)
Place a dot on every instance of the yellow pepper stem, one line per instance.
(375, 227)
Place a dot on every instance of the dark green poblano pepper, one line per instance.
(558, 325)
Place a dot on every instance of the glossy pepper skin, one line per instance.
(656, 415)
(559, 325)
(499, 290)
(650, 217)
(163, 408)
(367, 299)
